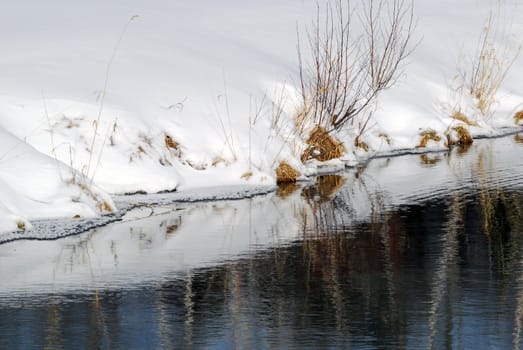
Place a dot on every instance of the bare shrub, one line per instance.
(347, 71)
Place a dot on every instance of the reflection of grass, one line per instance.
(328, 185)
(446, 262)
(425, 159)
(325, 188)
(502, 218)
(285, 189)
(463, 149)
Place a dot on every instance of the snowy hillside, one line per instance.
(151, 96)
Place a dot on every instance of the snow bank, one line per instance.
(36, 186)
(151, 96)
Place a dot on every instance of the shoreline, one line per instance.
(66, 227)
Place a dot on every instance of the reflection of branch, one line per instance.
(447, 258)
(518, 314)
(384, 236)
(188, 303)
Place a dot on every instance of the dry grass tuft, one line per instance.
(286, 173)
(386, 138)
(518, 138)
(170, 143)
(246, 175)
(141, 149)
(426, 136)
(322, 146)
(101, 205)
(107, 207)
(463, 136)
(196, 166)
(20, 225)
(171, 229)
(462, 118)
(518, 117)
(218, 160)
(361, 144)
(104, 207)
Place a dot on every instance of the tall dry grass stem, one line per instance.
(51, 136)
(96, 122)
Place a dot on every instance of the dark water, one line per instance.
(413, 252)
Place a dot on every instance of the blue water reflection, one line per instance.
(356, 260)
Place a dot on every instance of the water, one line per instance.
(409, 252)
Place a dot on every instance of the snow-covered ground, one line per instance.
(152, 96)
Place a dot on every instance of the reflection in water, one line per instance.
(428, 159)
(285, 189)
(395, 255)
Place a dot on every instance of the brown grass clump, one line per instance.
(322, 146)
(286, 173)
(463, 136)
(217, 160)
(361, 144)
(20, 225)
(518, 117)
(170, 143)
(171, 229)
(462, 118)
(385, 137)
(104, 207)
(426, 136)
(247, 175)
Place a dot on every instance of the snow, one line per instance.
(218, 78)
(36, 186)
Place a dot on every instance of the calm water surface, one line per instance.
(409, 252)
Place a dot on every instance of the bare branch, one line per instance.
(346, 72)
